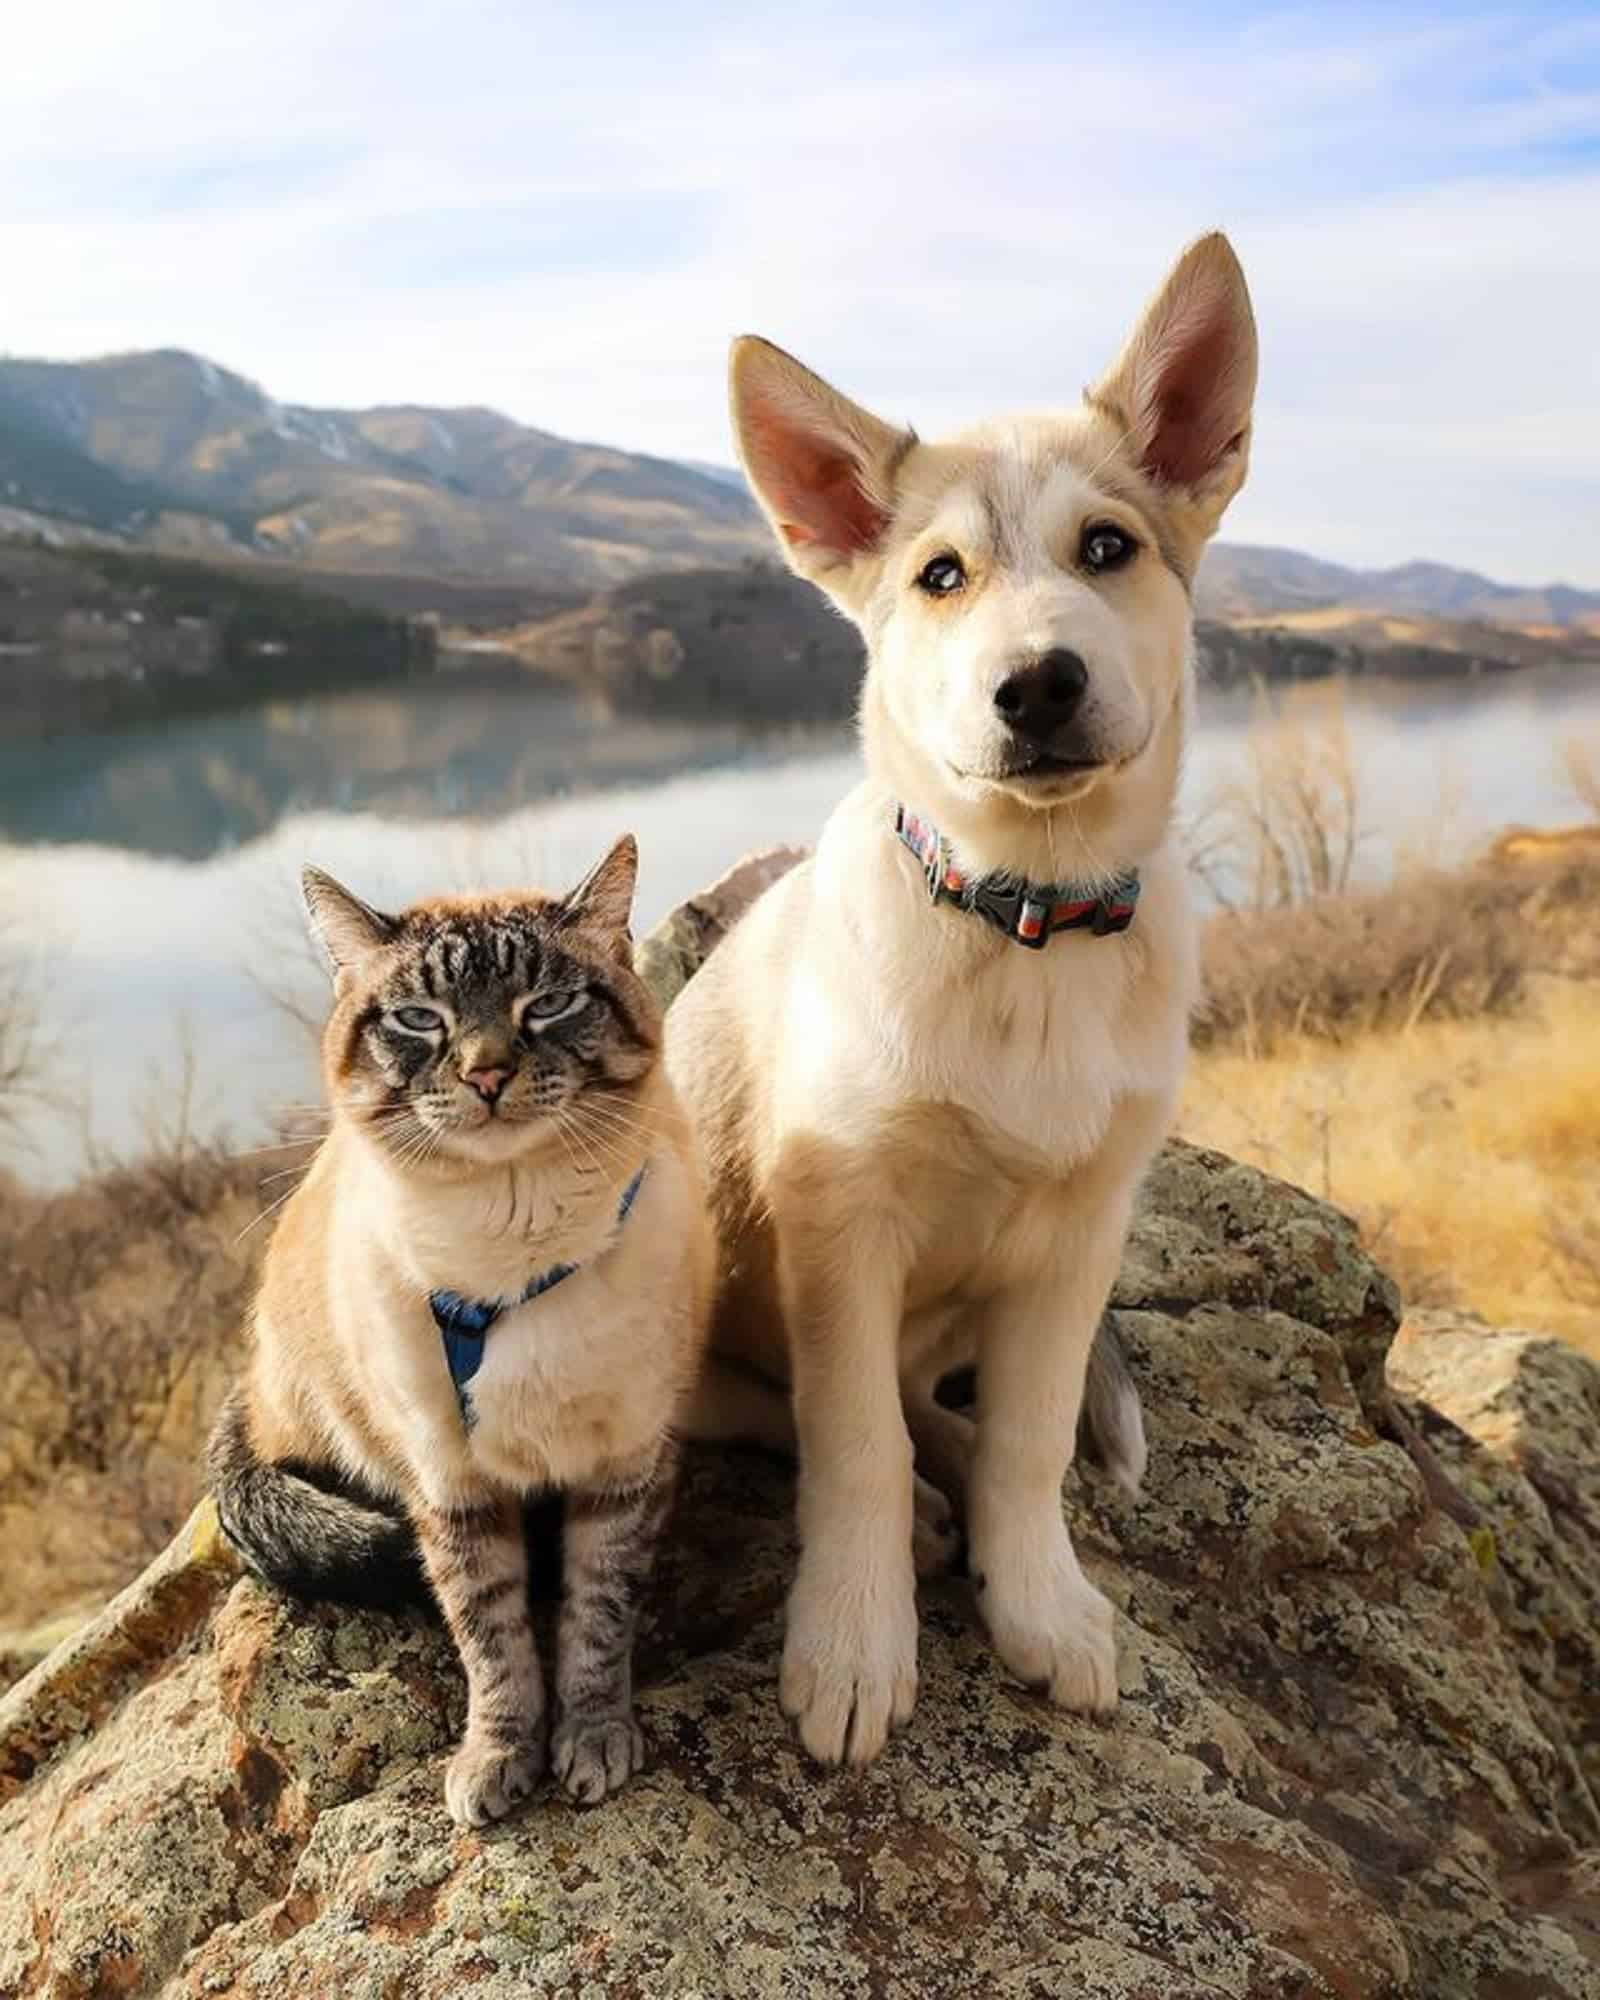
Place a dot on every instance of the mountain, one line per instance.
(1238, 581)
(142, 444)
(168, 450)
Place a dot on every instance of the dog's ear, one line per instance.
(821, 466)
(1182, 387)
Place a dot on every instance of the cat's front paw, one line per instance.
(595, 1755)
(485, 1780)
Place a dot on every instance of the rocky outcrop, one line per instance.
(1355, 1756)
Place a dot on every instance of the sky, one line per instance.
(565, 213)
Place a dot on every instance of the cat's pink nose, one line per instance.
(488, 1083)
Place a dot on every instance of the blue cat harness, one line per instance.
(464, 1323)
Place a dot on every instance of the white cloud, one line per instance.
(946, 211)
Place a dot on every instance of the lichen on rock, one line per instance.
(1353, 1759)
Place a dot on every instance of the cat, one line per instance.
(493, 1283)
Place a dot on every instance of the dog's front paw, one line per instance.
(595, 1755)
(485, 1779)
(849, 1671)
(1055, 1631)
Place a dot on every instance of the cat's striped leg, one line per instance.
(608, 1551)
(477, 1563)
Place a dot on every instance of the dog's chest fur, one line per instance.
(928, 1006)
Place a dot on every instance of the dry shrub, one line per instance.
(1575, 1242)
(1580, 758)
(122, 1305)
(22, 1051)
(1289, 827)
(1432, 946)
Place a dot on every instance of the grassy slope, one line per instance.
(1464, 1148)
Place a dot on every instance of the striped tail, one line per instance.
(307, 1530)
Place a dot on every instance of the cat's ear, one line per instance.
(603, 900)
(345, 927)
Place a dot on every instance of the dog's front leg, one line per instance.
(1048, 1622)
(850, 1649)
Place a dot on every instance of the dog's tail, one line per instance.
(1111, 1422)
(308, 1531)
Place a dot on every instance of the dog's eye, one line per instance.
(1105, 548)
(417, 1020)
(942, 576)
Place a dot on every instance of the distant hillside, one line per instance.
(168, 451)
(1238, 580)
(95, 638)
(752, 643)
(134, 444)
(756, 643)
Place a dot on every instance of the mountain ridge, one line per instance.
(167, 449)
(394, 487)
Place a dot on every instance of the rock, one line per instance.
(1354, 1756)
(22, 1648)
(1535, 1403)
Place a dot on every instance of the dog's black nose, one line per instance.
(1037, 699)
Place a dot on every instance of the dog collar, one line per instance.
(464, 1323)
(1028, 913)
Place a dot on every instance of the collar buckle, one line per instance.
(1029, 913)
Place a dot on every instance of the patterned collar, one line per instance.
(464, 1323)
(1029, 913)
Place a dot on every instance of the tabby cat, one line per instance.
(492, 1284)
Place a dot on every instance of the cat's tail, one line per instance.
(306, 1529)
(1111, 1421)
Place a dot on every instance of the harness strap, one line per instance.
(464, 1323)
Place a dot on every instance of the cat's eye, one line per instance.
(544, 1008)
(942, 577)
(417, 1020)
(1105, 547)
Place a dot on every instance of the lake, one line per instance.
(149, 877)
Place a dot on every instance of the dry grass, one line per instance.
(1465, 1148)
(122, 1306)
(1433, 946)
(1425, 1055)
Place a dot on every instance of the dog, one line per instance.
(929, 1067)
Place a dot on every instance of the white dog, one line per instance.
(930, 1066)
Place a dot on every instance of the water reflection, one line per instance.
(203, 786)
(155, 876)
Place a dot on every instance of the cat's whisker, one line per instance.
(623, 1134)
(614, 1141)
(288, 1195)
(640, 1118)
(283, 1146)
(604, 1145)
(564, 1122)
